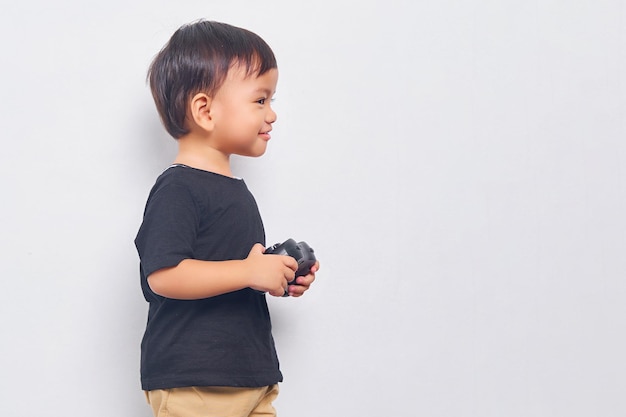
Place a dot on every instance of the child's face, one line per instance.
(242, 113)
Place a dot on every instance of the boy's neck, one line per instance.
(197, 154)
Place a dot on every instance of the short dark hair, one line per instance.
(197, 59)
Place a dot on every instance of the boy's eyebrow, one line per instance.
(265, 90)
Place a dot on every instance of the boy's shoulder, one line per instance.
(184, 174)
(196, 181)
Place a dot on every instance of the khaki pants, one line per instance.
(213, 402)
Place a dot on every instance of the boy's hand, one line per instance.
(304, 282)
(270, 273)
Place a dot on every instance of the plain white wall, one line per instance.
(458, 166)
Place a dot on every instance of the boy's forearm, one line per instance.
(193, 279)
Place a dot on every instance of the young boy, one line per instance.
(208, 348)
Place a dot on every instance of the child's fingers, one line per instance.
(297, 290)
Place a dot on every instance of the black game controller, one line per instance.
(301, 252)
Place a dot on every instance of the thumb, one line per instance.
(257, 249)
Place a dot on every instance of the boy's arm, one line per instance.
(193, 279)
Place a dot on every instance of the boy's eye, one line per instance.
(264, 100)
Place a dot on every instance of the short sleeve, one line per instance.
(169, 228)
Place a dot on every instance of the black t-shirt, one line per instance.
(219, 341)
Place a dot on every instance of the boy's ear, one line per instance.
(200, 111)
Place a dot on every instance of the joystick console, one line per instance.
(301, 252)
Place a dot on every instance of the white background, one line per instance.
(458, 167)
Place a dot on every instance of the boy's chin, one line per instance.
(254, 153)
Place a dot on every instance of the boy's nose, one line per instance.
(271, 116)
